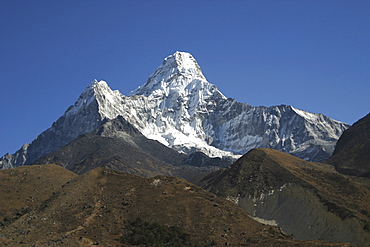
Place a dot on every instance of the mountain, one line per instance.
(178, 107)
(110, 208)
(188, 112)
(306, 199)
(84, 116)
(352, 152)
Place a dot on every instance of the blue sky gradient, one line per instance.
(314, 55)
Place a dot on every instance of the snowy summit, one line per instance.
(176, 72)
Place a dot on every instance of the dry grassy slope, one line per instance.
(92, 209)
(27, 186)
(310, 200)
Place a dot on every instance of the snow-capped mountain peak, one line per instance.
(179, 97)
(178, 107)
(178, 74)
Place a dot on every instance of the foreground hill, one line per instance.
(28, 186)
(102, 206)
(352, 152)
(308, 200)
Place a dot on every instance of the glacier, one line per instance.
(178, 107)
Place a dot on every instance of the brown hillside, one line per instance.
(94, 208)
(27, 186)
(309, 200)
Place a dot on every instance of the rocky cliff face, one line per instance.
(178, 107)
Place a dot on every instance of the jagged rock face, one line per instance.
(239, 128)
(178, 107)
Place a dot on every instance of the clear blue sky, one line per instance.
(314, 55)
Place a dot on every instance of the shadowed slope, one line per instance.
(90, 151)
(352, 152)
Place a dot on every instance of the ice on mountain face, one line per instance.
(178, 107)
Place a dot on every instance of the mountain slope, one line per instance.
(89, 151)
(117, 144)
(95, 208)
(25, 187)
(352, 152)
(308, 200)
(178, 107)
